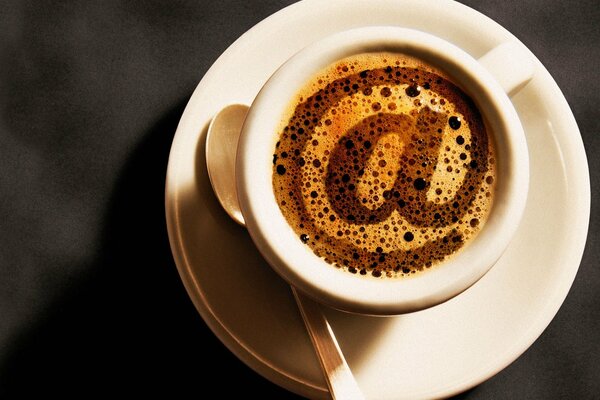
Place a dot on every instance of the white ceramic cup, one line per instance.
(487, 81)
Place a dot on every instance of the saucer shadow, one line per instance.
(468, 394)
(125, 324)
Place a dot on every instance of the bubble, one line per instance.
(386, 92)
(454, 122)
(419, 183)
(413, 91)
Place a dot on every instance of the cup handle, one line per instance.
(510, 64)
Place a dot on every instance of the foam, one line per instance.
(383, 166)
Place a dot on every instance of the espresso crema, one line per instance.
(384, 166)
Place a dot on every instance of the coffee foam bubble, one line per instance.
(384, 166)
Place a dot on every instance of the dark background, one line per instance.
(90, 299)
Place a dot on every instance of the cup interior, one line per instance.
(296, 262)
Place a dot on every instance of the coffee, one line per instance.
(384, 166)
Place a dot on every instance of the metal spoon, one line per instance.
(221, 146)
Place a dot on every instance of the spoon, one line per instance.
(221, 146)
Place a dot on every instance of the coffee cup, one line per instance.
(426, 256)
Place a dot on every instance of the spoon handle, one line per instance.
(340, 380)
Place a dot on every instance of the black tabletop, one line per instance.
(90, 299)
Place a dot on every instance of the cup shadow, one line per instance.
(125, 324)
(262, 316)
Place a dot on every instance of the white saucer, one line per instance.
(434, 353)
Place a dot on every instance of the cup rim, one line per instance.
(296, 262)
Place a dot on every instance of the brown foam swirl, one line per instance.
(384, 170)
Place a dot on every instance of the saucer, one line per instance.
(429, 354)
